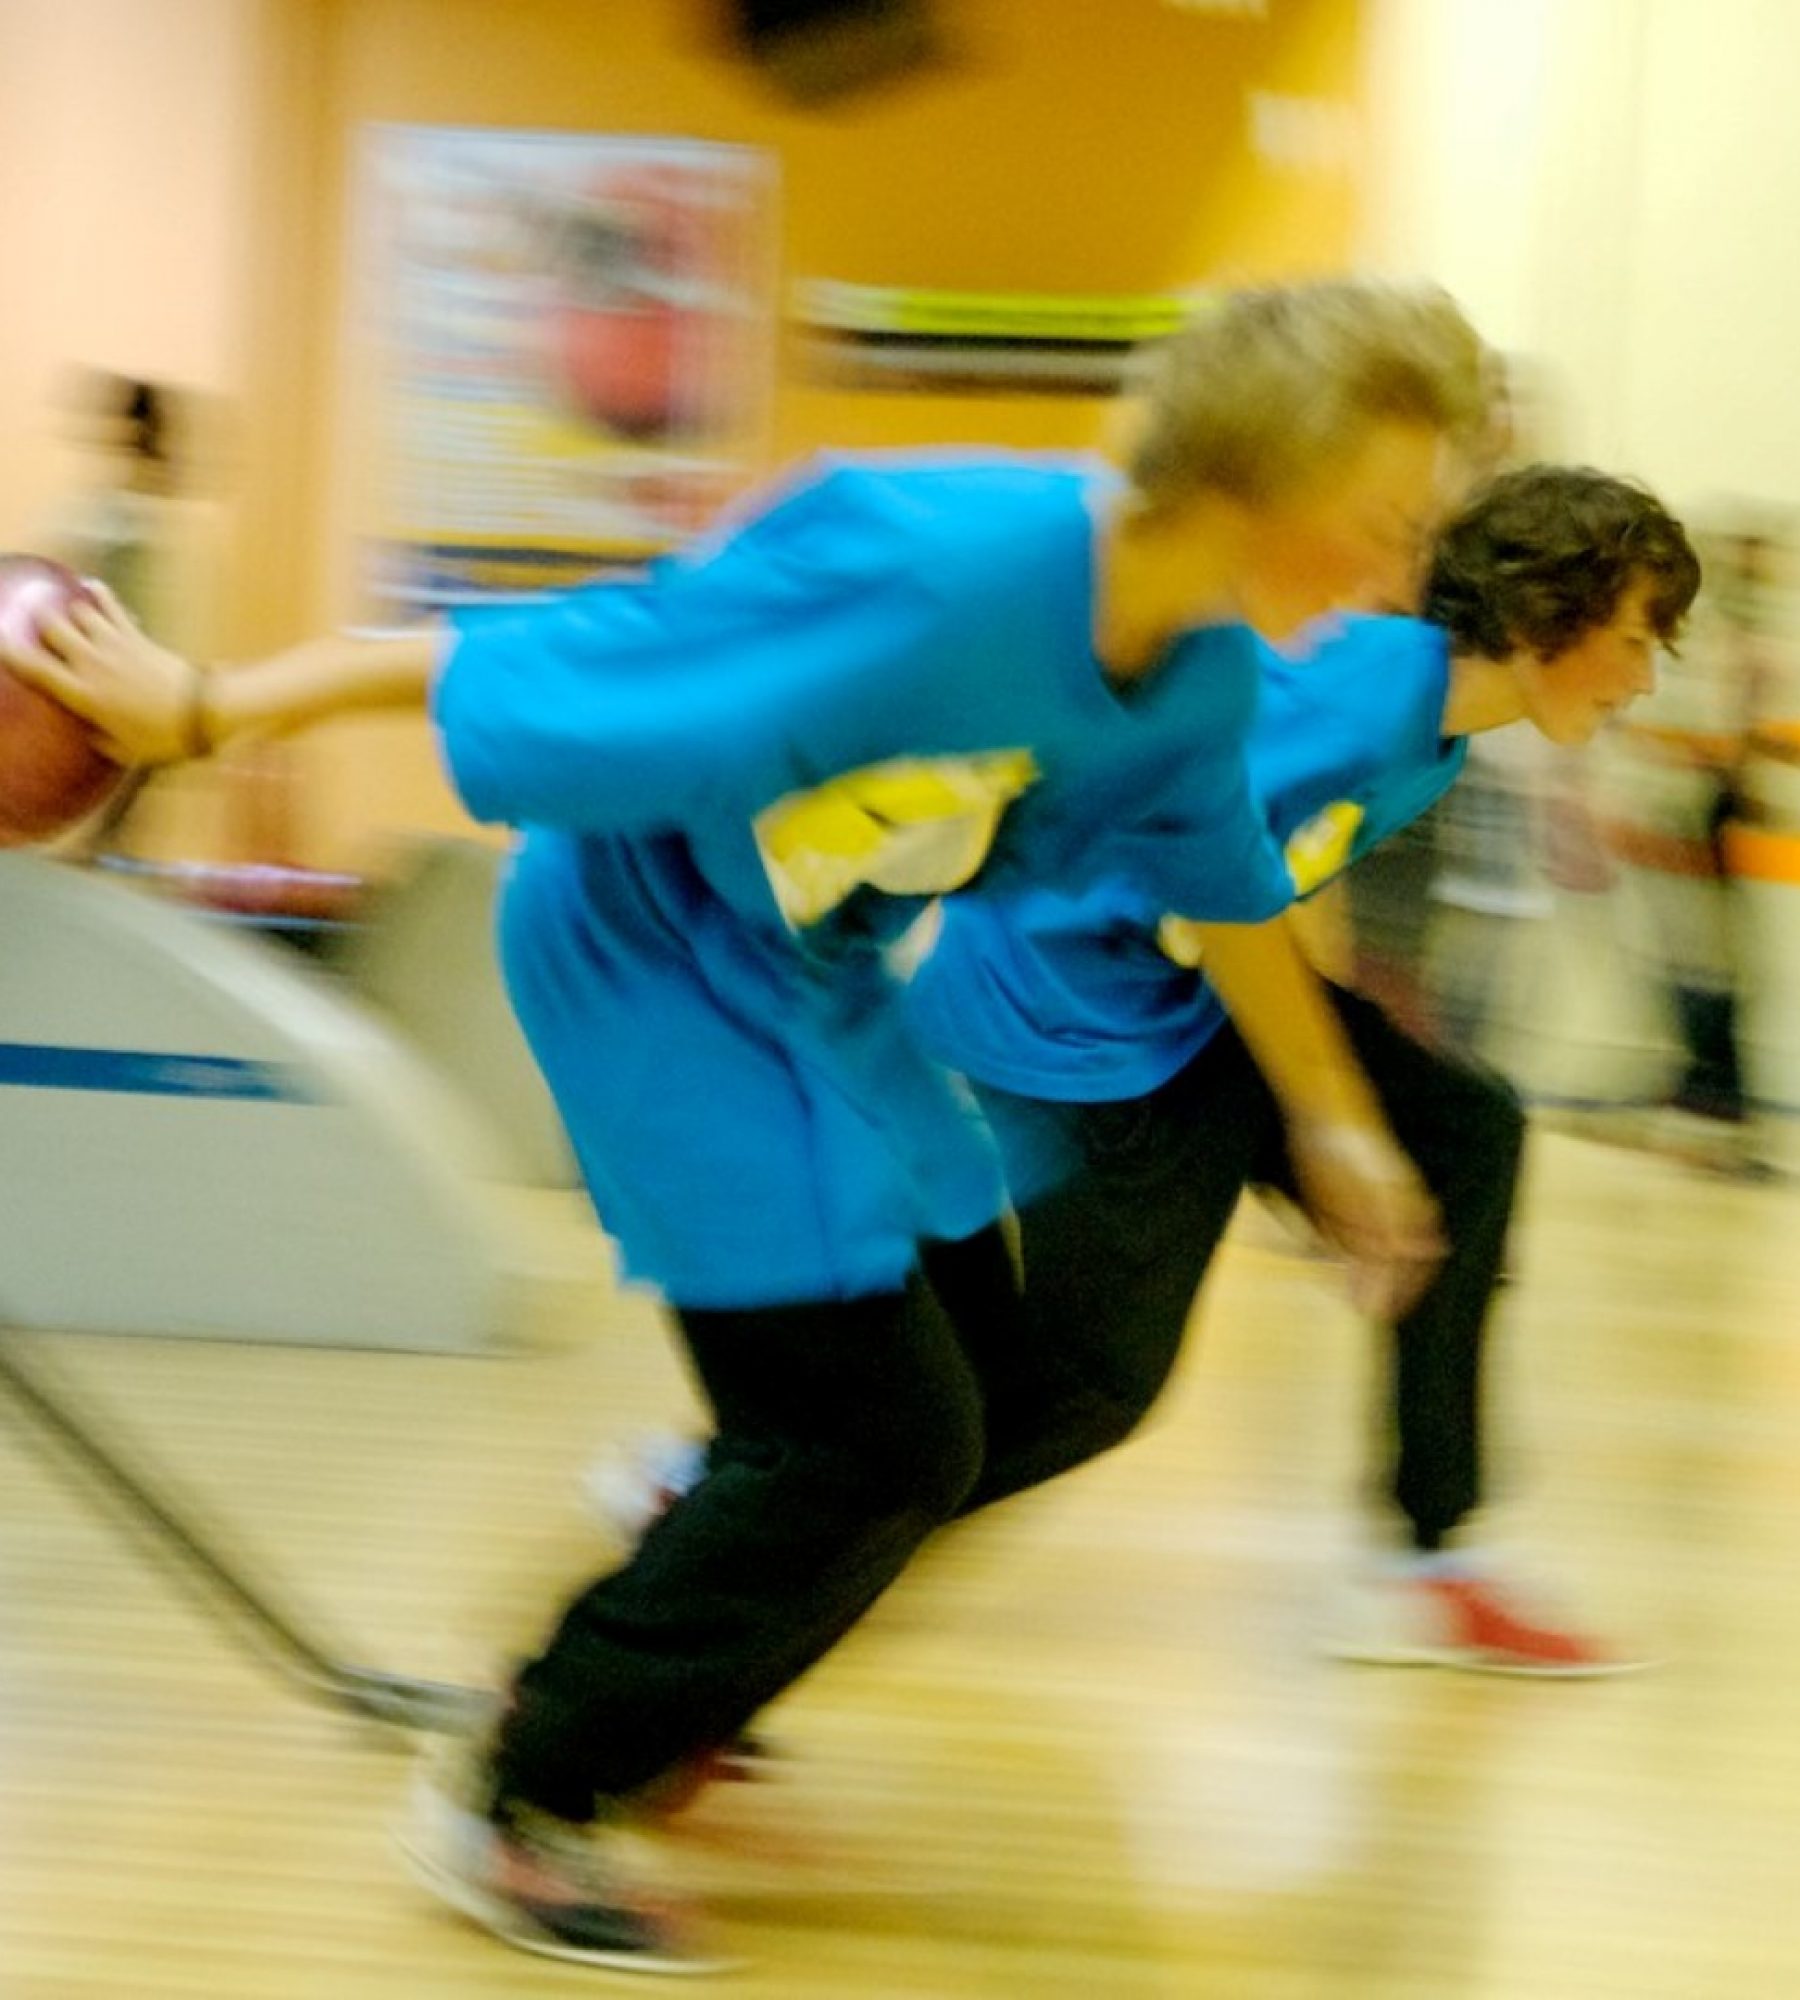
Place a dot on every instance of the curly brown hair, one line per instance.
(1543, 555)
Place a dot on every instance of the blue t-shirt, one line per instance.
(878, 686)
(847, 693)
(1078, 994)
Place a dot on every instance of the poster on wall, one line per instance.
(567, 354)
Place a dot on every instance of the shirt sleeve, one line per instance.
(1358, 719)
(767, 663)
(1374, 691)
(1228, 869)
(1213, 856)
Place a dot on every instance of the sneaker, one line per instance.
(1716, 1144)
(1463, 1619)
(1725, 1146)
(630, 1492)
(543, 1885)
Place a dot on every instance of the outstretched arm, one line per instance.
(151, 706)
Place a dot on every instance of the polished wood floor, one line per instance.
(1087, 1750)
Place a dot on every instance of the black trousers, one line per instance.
(1143, 1190)
(847, 1432)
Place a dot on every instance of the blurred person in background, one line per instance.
(1683, 777)
(122, 524)
(146, 520)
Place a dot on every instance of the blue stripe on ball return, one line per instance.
(149, 1073)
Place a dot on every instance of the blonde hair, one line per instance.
(1267, 386)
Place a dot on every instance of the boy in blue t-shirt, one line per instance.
(736, 782)
(899, 655)
(1130, 1115)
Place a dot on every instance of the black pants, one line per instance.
(1114, 1256)
(1712, 1080)
(846, 1432)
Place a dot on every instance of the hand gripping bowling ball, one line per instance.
(52, 772)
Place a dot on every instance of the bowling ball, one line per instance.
(626, 338)
(52, 771)
(620, 366)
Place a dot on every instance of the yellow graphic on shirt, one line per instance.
(1319, 849)
(1179, 939)
(1316, 852)
(913, 827)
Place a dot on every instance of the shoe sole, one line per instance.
(496, 1917)
(1476, 1663)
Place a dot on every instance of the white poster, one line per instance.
(569, 353)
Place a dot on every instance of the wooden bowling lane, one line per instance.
(1088, 1749)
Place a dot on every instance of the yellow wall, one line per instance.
(123, 126)
(1070, 146)
(203, 155)
(131, 217)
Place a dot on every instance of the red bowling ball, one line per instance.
(52, 772)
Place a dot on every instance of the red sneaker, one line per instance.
(1465, 1619)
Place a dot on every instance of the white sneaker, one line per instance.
(540, 1884)
(629, 1490)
